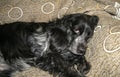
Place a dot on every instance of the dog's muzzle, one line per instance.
(78, 46)
(81, 49)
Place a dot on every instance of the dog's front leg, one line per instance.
(83, 66)
(72, 72)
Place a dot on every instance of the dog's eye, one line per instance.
(77, 31)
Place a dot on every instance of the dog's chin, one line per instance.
(77, 53)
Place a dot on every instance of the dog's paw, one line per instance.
(84, 68)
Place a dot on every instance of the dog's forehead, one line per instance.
(80, 20)
(82, 17)
(80, 24)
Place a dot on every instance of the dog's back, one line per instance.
(15, 44)
(14, 37)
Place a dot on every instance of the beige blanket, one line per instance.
(104, 49)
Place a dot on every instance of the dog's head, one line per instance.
(81, 30)
(74, 32)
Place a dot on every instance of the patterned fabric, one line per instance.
(104, 48)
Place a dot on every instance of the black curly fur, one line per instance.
(57, 46)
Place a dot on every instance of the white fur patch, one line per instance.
(40, 43)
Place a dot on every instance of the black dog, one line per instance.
(58, 46)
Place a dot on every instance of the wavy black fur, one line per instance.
(57, 46)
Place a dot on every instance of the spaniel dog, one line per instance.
(57, 46)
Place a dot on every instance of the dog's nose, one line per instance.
(81, 51)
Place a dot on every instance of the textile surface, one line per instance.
(104, 48)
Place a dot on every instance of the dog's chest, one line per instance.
(39, 43)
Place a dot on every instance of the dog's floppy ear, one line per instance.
(94, 20)
(67, 20)
(72, 19)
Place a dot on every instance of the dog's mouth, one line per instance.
(77, 52)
